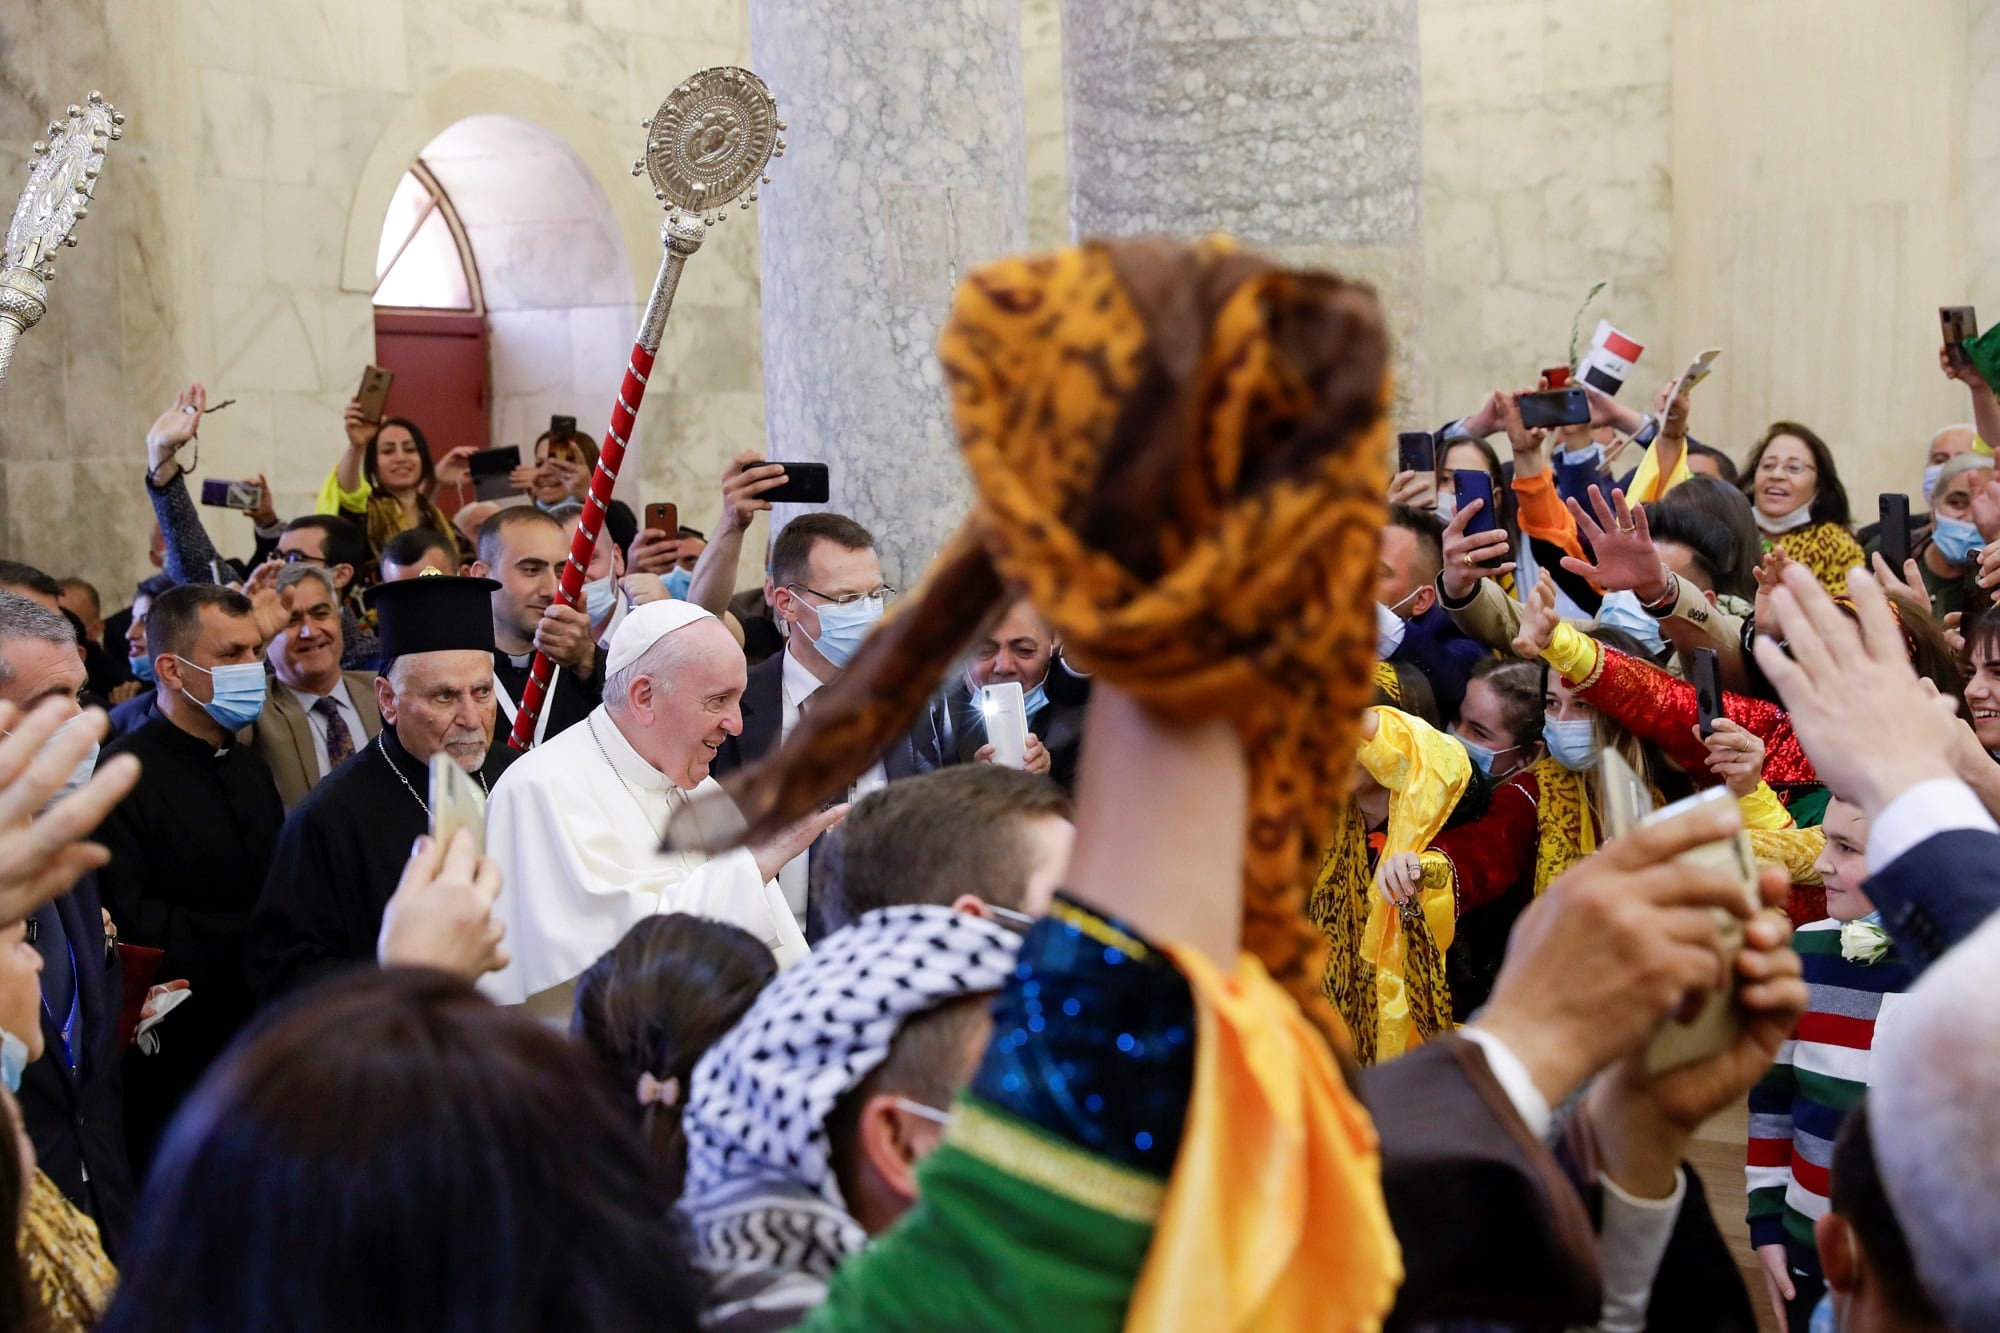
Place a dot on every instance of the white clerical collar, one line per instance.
(626, 762)
(800, 683)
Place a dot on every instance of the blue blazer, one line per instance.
(1938, 892)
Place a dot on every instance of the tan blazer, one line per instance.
(283, 734)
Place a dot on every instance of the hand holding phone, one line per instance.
(1416, 451)
(1555, 407)
(374, 393)
(1894, 532)
(1005, 710)
(663, 517)
(1473, 484)
(247, 496)
(1959, 326)
(805, 484)
(1705, 675)
(456, 803)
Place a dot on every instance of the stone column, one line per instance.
(1295, 127)
(907, 166)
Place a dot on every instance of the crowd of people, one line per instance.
(1307, 968)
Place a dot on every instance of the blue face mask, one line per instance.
(842, 628)
(1032, 701)
(1571, 744)
(239, 692)
(13, 1060)
(599, 597)
(678, 583)
(1623, 611)
(1482, 758)
(1956, 539)
(1931, 480)
(142, 669)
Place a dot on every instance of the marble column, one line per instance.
(1294, 127)
(907, 167)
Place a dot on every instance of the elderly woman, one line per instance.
(1950, 549)
(1801, 505)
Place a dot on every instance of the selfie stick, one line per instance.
(707, 144)
(67, 164)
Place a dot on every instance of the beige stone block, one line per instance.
(1468, 54)
(345, 126)
(724, 272)
(584, 62)
(427, 28)
(550, 265)
(1521, 225)
(33, 422)
(529, 351)
(255, 128)
(1591, 44)
(306, 441)
(265, 338)
(709, 350)
(40, 494)
(347, 43)
(303, 229)
(1461, 236)
(223, 32)
(600, 344)
(348, 321)
(231, 239)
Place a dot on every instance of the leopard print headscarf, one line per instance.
(1178, 455)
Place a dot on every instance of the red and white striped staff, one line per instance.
(707, 145)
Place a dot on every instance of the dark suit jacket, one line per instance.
(1938, 892)
(963, 730)
(920, 750)
(283, 734)
(77, 1121)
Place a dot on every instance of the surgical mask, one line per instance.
(1390, 627)
(1931, 474)
(1482, 758)
(1591, 455)
(13, 1060)
(1798, 518)
(1571, 744)
(600, 596)
(1956, 540)
(1447, 506)
(1032, 701)
(1622, 610)
(678, 583)
(142, 669)
(842, 628)
(239, 692)
(79, 775)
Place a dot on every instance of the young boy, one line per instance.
(1797, 1108)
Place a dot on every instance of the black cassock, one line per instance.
(338, 860)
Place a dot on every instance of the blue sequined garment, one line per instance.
(1094, 1040)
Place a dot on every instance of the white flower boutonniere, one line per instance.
(1863, 942)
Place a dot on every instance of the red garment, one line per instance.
(1496, 851)
(1658, 707)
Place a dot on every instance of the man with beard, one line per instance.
(343, 851)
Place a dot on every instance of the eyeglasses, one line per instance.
(296, 557)
(884, 594)
(1772, 467)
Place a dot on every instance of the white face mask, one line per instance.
(1931, 481)
(1447, 507)
(1389, 630)
(1798, 518)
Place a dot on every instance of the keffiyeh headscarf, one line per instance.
(760, 1098)
(1178, 457)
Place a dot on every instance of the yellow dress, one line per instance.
(64, 1259)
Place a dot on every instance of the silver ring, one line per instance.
(191, 410)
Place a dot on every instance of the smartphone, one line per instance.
(374, 392)
(493, 472)
(1555, 407)
(1006, 714)
(1894, 534)
(1416, 451)
(561, 428)
(1472, 484)
(244, 495)
(456, 803)
(663, 518)
(1627, 799)
(1959, 325)
(1706, 677)
(1715, 1025)
(1557, 376)
(805, 484)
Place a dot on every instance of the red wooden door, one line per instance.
(442, 379)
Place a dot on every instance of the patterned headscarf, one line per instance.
(1178, 453)
(761, 1096)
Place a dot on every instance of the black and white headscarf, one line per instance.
(769, 1222)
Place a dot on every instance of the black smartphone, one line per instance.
(1706, 677)
(493, 472)
(561, 428)
(1416, 451)
(1894, 534)
(1959, 325)
(1472, 484)
(1555, 407)
(244, 495)
(805, 484)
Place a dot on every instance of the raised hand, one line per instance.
(455, 468)
(42, 852)
(1618, 535)
(644, 588)
(654, 552)
(1608, 411)
(1468, 559)
(265, 515)
(1965, 374)
(441, 914)
(1487, 419)
(744, 482)
(1736, 755)
(1769, 573)
(360, 430)
(1419, 490)
(175, 428)
(1909, 584)
(1538, 621)
(788, 842)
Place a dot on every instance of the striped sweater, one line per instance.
(1797, 1107)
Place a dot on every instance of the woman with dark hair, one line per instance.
(397, 1153)
(654, 1004)
(387, 481)
(1800, 504)
(1727, 505)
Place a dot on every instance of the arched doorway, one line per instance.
(503, 289)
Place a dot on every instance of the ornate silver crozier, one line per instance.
(706, 147)
(62, 178)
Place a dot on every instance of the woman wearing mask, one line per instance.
(1801, 505)
(560, 475)
(1951, 547)
(1500, 723)
(387, 481)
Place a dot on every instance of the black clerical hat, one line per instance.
(432, 613)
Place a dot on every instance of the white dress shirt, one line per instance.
(576, 825)
(800, 684)
(315, 723)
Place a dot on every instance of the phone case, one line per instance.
(456, 803)
(805, 484)
(1006, 723)
(374, 393)
(1715, 1026)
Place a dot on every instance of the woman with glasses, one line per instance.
(1800, 503)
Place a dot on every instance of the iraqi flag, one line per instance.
(1611, 358)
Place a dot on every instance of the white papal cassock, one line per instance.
(576, 826)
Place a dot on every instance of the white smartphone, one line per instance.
(1715, 1025)
(456, 803)
(1006, 714)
